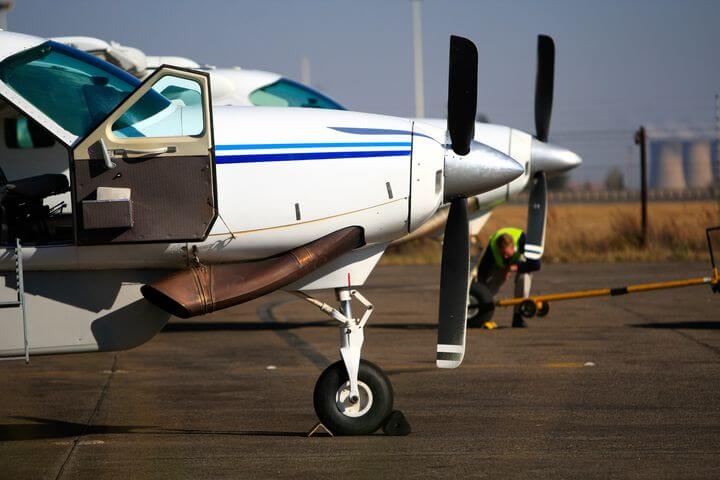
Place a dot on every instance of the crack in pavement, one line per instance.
(265, 312)
(89, 422)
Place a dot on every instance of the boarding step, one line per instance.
(20, 302)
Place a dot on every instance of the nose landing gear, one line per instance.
(352, 396)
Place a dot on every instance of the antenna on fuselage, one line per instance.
(5, 7)
(418, 56)
(305, 70)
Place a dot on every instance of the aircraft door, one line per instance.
(147, 172)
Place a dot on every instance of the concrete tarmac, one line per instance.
(622, 387)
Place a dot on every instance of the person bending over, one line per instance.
(505, 255)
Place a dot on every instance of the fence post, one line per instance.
(641, 139)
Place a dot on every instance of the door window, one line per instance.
(173, 107)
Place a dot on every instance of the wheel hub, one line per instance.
(354, 409)
(473, 309)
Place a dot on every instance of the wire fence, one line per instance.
(609, 196)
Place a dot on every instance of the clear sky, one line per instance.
(619, 63)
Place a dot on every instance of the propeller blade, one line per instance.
(462, 93)
(544, 85)
(454, 286)
(537, 217)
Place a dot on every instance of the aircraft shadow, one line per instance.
(174, 327)
(45, 428)
(171, 327)
(695, 325)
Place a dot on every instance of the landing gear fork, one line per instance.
(352, 333)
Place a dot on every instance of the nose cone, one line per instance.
(549, 158)
(482, 170)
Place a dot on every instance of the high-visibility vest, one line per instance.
(515, 234)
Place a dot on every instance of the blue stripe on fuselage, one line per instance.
(287, 157)
(268, 146)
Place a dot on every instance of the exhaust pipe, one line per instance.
(206, 288)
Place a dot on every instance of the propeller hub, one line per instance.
(481, 170)
(552, 159)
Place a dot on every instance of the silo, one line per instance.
(666, 170)
(698, 164)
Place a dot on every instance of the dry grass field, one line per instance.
(599, 232)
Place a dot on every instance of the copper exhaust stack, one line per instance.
(205, 288)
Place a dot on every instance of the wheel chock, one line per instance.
(319, 430)
(396, 425)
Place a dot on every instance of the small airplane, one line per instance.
(168, 205)
(538, 157)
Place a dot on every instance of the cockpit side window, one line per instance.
(286, 93)
(23, 133)
(73, 88)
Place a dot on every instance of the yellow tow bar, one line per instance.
(540, 304)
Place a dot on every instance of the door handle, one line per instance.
(107, 157)
(145, 151)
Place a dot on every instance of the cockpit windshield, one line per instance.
(286, 93)
(73, 88)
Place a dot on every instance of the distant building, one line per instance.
(683, 158)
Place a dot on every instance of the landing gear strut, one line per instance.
(352, 396)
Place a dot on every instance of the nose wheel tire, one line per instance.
(343, 417)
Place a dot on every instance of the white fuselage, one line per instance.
(283, 178)
(309, 159)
